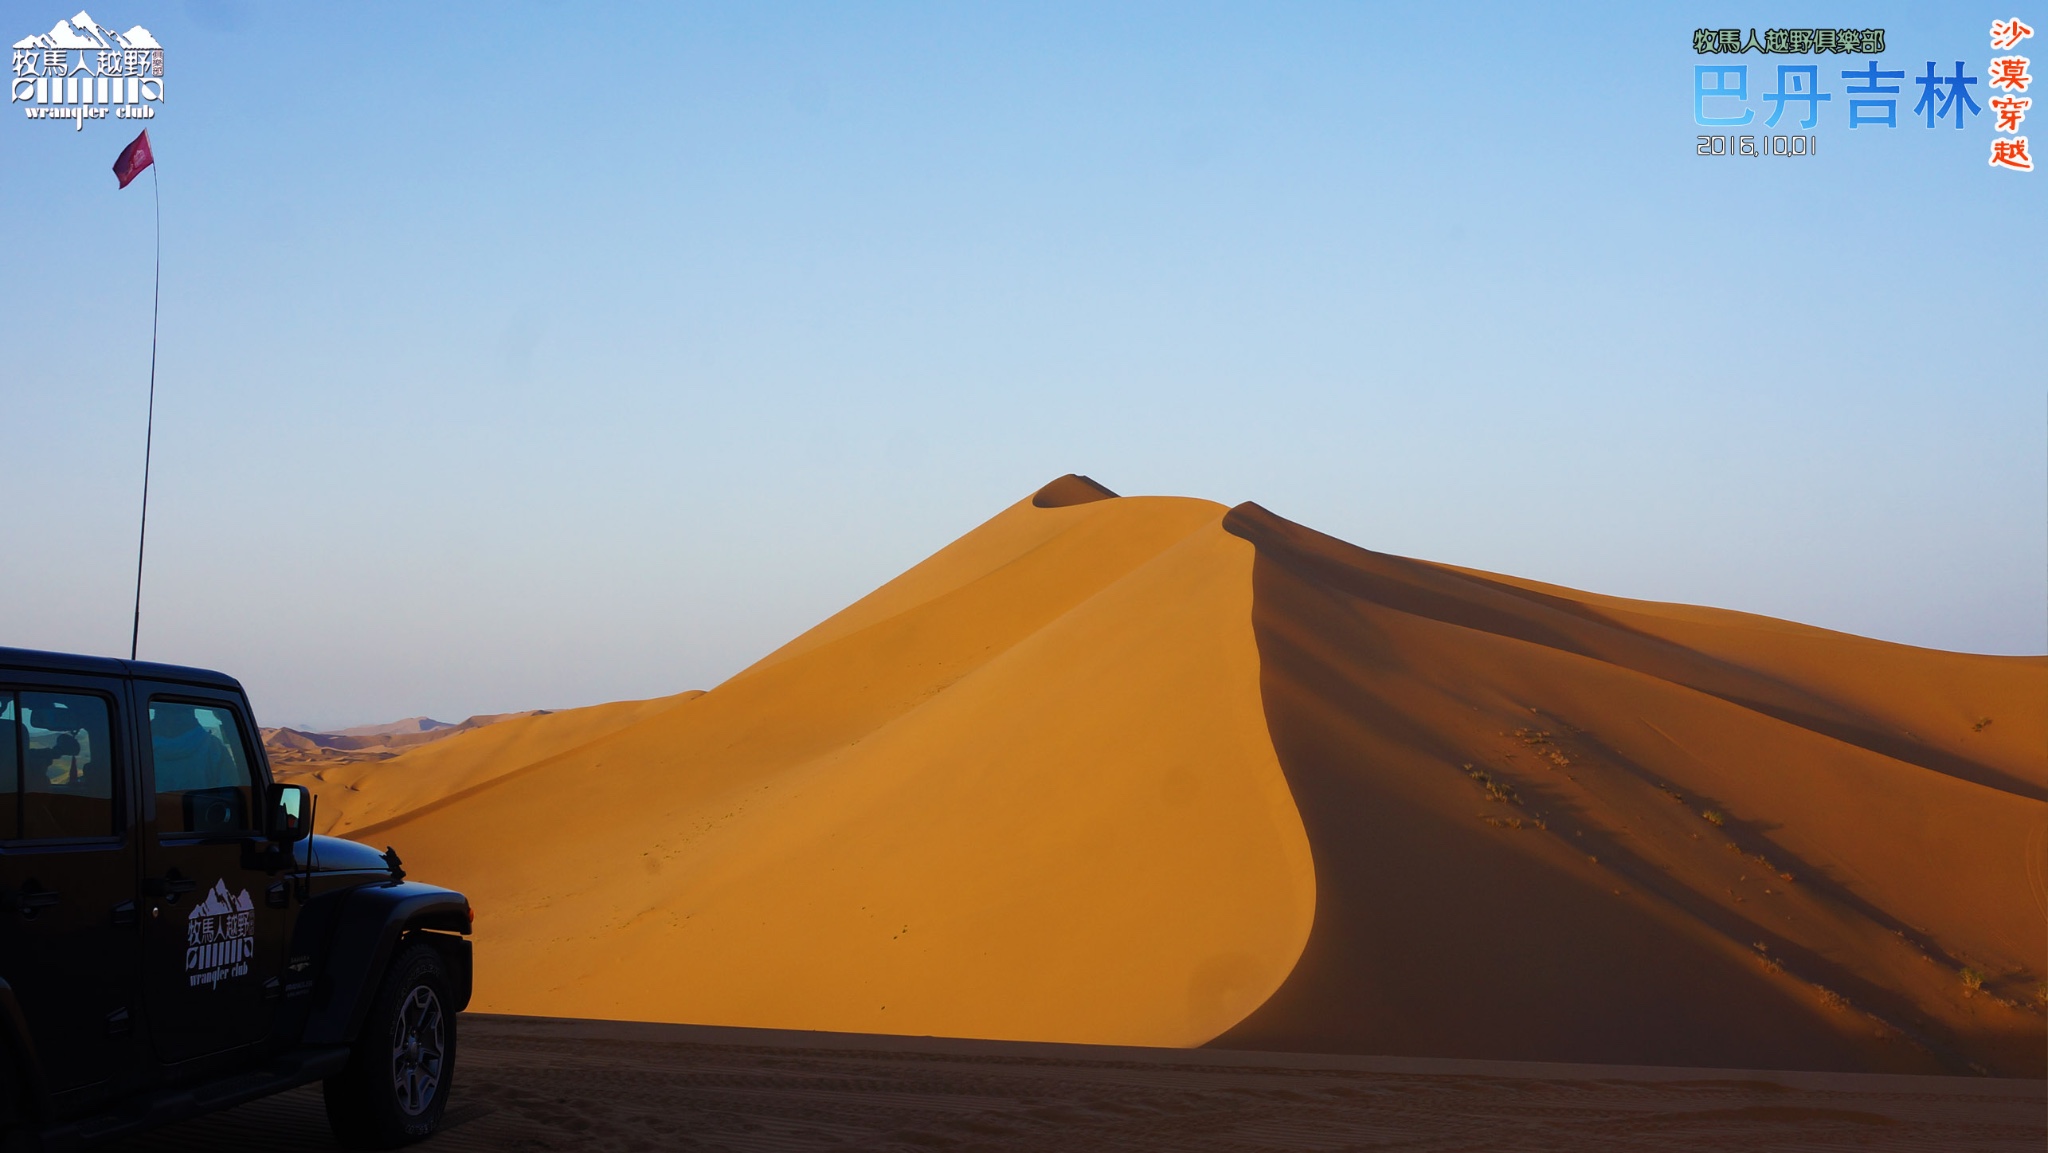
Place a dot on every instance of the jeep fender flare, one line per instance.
(370, 926)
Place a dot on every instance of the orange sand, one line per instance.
(1144, 771)
(358, 795)
(1022, 791)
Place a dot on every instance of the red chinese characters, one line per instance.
(2009, 75)
(2006, 33)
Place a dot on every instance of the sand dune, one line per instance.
(1819, 919)
(404, 725)
(300, 747)
(357, 795)
(1022, 791)
(1151, 771)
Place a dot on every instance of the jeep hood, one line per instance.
(335, 855)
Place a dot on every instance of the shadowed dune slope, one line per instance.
(1070, 489)
(1556, 826)
(1977, 717)
(1022, 791)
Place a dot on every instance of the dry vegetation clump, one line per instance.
(1546, 747)
(1499, 790)
(1714, 817)
(1980, 725)
(1973, 981)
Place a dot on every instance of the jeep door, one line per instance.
(213, 920)
(67, 872)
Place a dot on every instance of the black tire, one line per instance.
(396, 1085)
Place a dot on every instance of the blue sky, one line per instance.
(516, 356)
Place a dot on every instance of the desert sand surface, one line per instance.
(533, 1084)
(1151, 771)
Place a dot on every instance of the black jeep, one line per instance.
(173, 940)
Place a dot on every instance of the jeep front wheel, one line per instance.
(396, 1084)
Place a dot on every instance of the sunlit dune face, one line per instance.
(1024, 791)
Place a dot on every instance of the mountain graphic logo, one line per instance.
(82, 70)
(83, 33)
(220, 937)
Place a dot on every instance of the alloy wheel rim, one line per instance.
(418, 1051)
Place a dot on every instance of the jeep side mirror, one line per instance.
(291, 813)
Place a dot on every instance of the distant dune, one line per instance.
(301, 747)
(408, 725)
(442, 771)
(1151, 771)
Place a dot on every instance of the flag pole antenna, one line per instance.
(149, 428)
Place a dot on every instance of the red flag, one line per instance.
(133, 159)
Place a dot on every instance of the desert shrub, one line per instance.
(1498, 790)
(1715, 817)
(1972, 979)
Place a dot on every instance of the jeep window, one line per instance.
(203, 783)
(58, 768)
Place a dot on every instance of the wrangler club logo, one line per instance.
(80, 71)
(220, 937)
